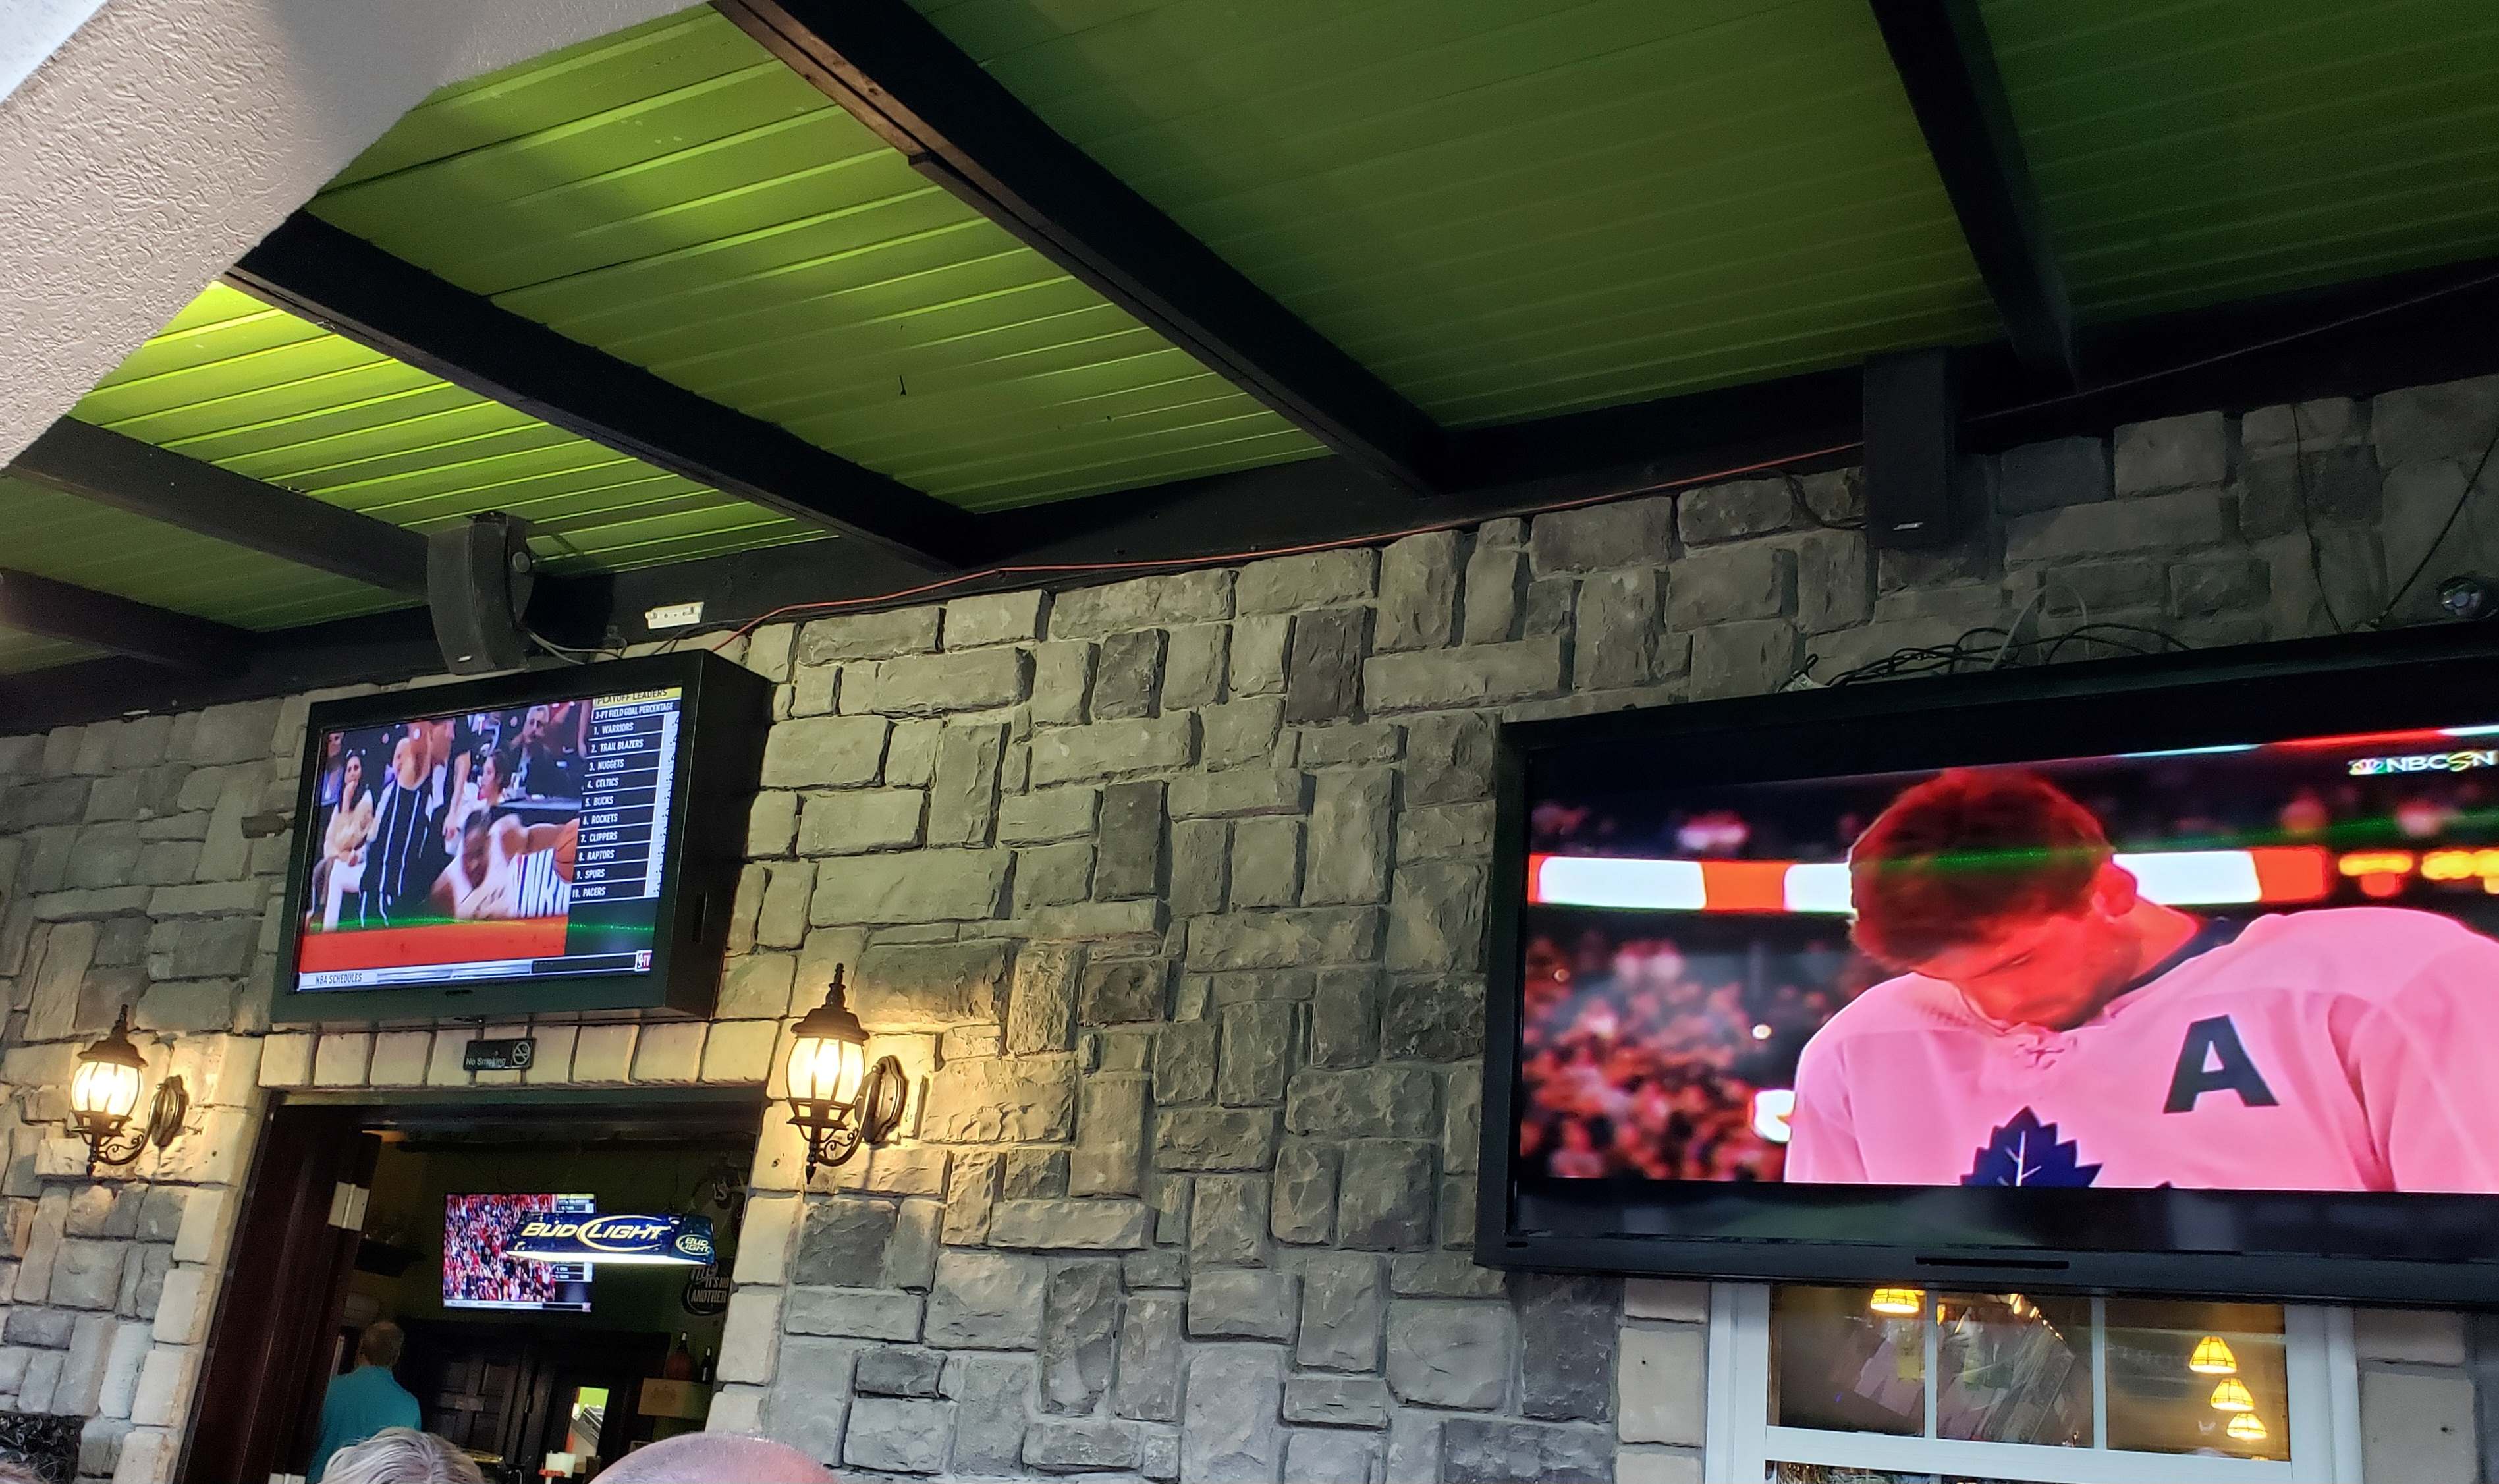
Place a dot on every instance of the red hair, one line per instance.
(1957, 857)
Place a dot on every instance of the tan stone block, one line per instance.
(604, 1053)
(285, 1061)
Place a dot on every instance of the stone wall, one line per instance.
(1171, 891)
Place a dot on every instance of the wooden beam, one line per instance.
(2351, 339)
(368, 649)
(345, 283)
(113, 468)
(2355, 340)
(961, 128)
(61, 610)
(1940, 50)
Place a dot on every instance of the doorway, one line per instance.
(364, 1215)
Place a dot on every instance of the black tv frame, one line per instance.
(2378, 1248)
(727, 713)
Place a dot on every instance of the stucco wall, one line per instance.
(33, 30)
(1173, 891)
(165, 137)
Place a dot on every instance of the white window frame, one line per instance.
(2324, 1409)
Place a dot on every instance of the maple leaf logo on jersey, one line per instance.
(2025, 1152)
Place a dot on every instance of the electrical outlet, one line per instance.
(672, 615)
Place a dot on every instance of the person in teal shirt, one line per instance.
(365, 1400)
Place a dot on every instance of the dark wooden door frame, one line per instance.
(256, 1410)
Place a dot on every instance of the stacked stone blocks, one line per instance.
(1170, 894)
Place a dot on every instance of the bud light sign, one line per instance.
(616, 1238)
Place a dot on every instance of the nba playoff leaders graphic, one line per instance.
(2258, 968)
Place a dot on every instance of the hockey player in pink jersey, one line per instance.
(2050, 1026)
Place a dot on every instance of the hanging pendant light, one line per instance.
(1899, 1302)
(836, 1099)
(665, 1239)
(2232, 1396)
(2213, 1357)
(2246, 1427)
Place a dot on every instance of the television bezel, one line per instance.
(726, 714)
(2388, 682)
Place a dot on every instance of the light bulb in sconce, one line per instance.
(838, 1099)
(104, 1094)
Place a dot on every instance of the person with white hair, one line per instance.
(402, 1456)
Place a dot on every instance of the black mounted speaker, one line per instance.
(1912, 443)
(477, 577)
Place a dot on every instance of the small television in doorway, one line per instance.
(2174, 974)
(479, 1273)
(560, 840)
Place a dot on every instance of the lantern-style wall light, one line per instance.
(835, 1097)
(103, 1092)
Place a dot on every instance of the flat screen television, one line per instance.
(477, 1272)
(560, 840)
(2161, 976)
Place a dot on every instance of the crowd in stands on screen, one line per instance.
(474, 1267)
(418, 828)
(479, 792)
(551, 741)
(1643, 1060)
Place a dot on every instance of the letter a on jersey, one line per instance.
(2212, 1060)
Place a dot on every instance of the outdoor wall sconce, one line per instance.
(835, 1096)
(104, 1093)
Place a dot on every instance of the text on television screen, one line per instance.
(2250, 968)
(512, 844)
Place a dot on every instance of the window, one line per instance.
(1900, 1385)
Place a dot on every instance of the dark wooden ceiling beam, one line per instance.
(370, 648)
(2351, 339)
(113, 468)
(1940, 50)
(62, 610)
(961, 128)
(2355, 340)
(345, 283)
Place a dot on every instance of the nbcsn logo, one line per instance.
(2461, 761)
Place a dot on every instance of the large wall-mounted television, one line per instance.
(560, 840)
(2174, 975)
(478, 1270)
